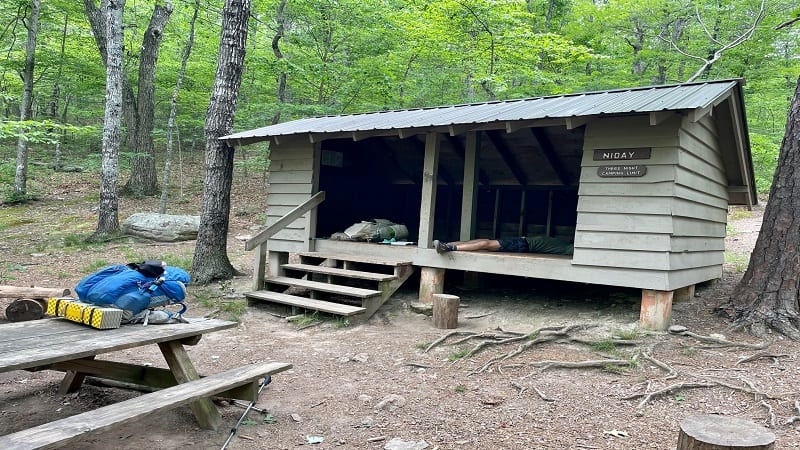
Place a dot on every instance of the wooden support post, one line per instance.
(431, 281)
(713, 432)
(427, 209)
(181, 366)
(445, 311)
(683, 294)
(469, 199)
(656, 309)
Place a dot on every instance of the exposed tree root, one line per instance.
(665, 391)
(496, 335)
(522, 390)
(762, 354)
(771, 413)
(547, 334)
(601, 363)
(720, 342)
(671, 373)
(793, 419)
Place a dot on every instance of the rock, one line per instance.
(399, 444)
(677, 329)
(361, 357)
(364, 398)
(391, 402)
(422, 308)
(162, 227)
(297, 417)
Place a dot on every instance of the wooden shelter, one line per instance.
(639, 179)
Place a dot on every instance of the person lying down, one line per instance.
(534, 244)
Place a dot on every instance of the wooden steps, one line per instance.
(356, 258)
(325, 287)
(339, 272)
(307, 303)
(333, 284)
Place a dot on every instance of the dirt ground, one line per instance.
(373, 385)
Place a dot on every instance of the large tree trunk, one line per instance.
(21, 175)
(143, 180)
(173, 108)
(768, 296)
(137, 112)
(108, 221)
(280, 19)
(210, 257)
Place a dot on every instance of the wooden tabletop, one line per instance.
(37, 343)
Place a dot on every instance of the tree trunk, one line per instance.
(56, 93)
(143, 176)
(210, 257)
(173, 108)
(143, 180)
(108, 221)
(280, 19)
(768, 296)
(21, 175)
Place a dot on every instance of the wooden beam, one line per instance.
(657, 117)
(505, 153)
(469, 195)
(443, 173)
(699, 113)
(427, 209)
(459, 150)
(575, 122)
(552, 157)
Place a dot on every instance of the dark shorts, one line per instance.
(513, 245)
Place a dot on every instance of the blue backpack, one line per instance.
(135, 288)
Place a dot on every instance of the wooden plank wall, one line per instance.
(292, 181)
(671, 220)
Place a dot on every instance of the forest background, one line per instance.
(320, 57)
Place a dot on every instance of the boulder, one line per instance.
(162, 227)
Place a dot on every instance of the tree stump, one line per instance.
(445, 311)
(713, 432)
(24, 309)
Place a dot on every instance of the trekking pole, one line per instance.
(267, 379)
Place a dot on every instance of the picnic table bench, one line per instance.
(57, 344)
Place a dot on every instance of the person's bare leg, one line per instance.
(475, 245)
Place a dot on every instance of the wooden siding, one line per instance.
(291, 181)
(669, 222)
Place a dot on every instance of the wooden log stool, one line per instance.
(713, 432)
(28, 303)
(445, 311)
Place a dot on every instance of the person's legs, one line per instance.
(473, 245)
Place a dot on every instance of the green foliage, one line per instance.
(457, 355)
(95, 266)
(366, 55)
(460, 389)
(305, 319)
(607, 346)
(737, 260)
(626, 334)
(8, 269)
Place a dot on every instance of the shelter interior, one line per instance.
(527, 182)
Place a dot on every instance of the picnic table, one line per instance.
(58, 344)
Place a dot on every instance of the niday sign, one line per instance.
(622, 154)
(617, 154)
